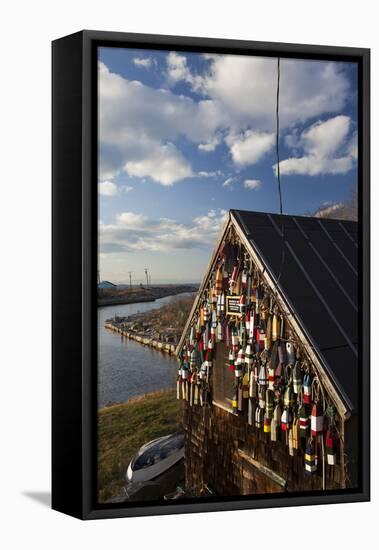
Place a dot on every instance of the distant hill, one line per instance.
(340, 210)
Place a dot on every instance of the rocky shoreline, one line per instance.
(159, 328)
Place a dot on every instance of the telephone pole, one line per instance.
(130, 279)
(147, 277)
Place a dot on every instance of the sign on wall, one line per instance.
(233, 305)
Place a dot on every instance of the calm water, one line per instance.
(127, 369)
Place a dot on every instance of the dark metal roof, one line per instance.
(319, 277)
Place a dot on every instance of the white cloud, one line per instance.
(325, 149)
(145, 62)
(177, 69)
(108, 188)
(138, 123)
(252, 184)
(228, 182)
(205, 174)
(246, 87)
(126, 188)
(249, 147)
(135, 232)
(165, 165)
(210, 146)
(130, 219)
(352, 147)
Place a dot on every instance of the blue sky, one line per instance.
(184, 137)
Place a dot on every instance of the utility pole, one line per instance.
(147, 277)
(130, 279)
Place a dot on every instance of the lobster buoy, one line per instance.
(244, 278)
(268, 338)
(248, 356)
(251, 324)
(258, 298)
(262, 335)
(220, 304)
(247, 323)
(310, 458)
(237, 286)
(242, 334)
(203, 370)
(235, 402)
(282, 354)
(245, 386)
(259, 415)
(250, 413)
(290, 443)
(184, 372)
(317, 420)
(206, 312)
(285, 421)
(307, 389)
(242, 304)
(196, 391)
(233, 278)
(218, 281)
(198, 325)
(262, 382)
(275, 423)
(290, 353)
(271, 378)
(278, 374)
(191, 385)
(269, 403)
(297, 380)
(210, 352)
(232, 360)
(303, 421)
(331, 446)
(219, 333)
(239, 363)
(178, 386)
(252, 384)
(296, 433)
(201, 349)
(192, 335)
(266, 423)
(240, 397)
(262, 378)
(288, 399)
(194, 358)
(234, 339)
(275, 328)
(214, 318)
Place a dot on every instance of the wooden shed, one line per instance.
(268, 360)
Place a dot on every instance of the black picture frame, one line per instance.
(74, 270)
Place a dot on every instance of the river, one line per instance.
(126, 368)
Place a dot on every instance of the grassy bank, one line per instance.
(122, 429)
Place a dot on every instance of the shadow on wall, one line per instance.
(42, 497)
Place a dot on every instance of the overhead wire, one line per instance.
(283, 253)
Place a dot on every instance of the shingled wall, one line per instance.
(225, 454)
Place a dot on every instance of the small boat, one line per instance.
(155, 458)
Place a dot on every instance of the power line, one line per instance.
(278, 169)
(277, 138)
